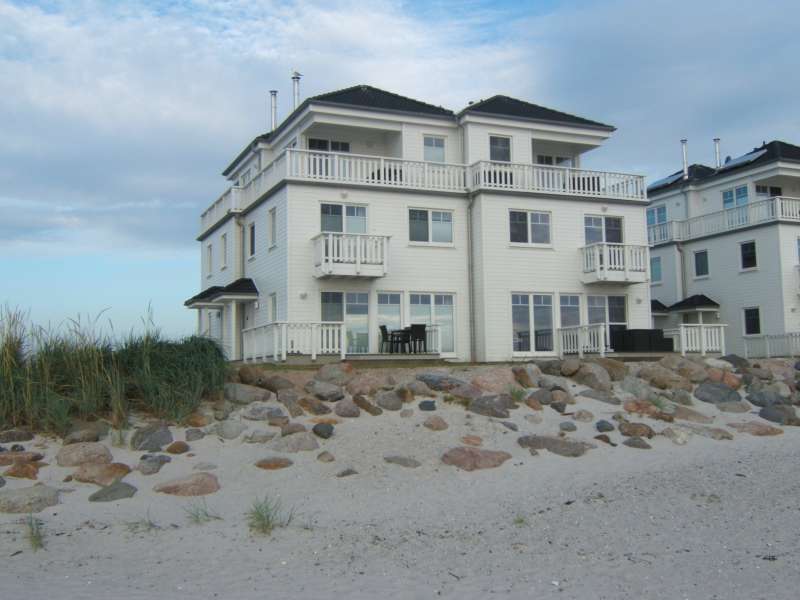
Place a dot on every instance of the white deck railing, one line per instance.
(622, 258)
(276, 341)
(778, 208)
(697, 338)
(582, 339)
(774, 345)
(356, 249)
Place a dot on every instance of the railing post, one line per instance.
(385, 255)
(329, 253)
(358, 241)
(314, 337)
(284, 340)
(580, 342)
(602, 340)
(722, 340)
(274, 342)
(702, 340)
(342, 341)
(626, 251)
(766, 345)
(683, 339)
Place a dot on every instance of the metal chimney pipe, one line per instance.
(685, 159)
(296, 88)
(716, 153)
(273, 109)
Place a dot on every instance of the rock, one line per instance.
(178, 447)
(535, 418)
(118, 490)
(567, 426)
(715, 393)
(15, 435)
(151, 438)
(734, 407)
(78, 436)
(716, 363)
(2, 482)
(192, 435)
(347, 473)
(314, 405)
(756, 428)
(687, 414)
(616, 369)
(509, 425)
(32, 499)
(336, 373)
(418, 388)
(17, 448)
(562, 397)
(606, 397)
(715, 433)
(679, 437)
(365, 384)
(737, 361)
(764, 398)
(198, 484)
(583, 416)
(199, 419)
(559, 407)
(526, 375)
(593, 376)
(406, 412)
(364, 404)
(472, 440)
(662, 378)
(259, 436)
(292, 428)
(28, 470)
(404, 393)
(555, 382)
(489, 406)
(441, 382)
(556, 445)
(260, 411)
(150, 464)
(291, 401)
(325, 457)
(17, 457)
(325, 391)
(684, 367)
(323, 430)
(222, 410)
(241, 393)
(229, 430)
(636, 430)
(204, 466)
(538, 398)
(636, 442)
(732, 380)
(640, 407)
(435, 423)
(682, 397)
(251, 375)
(84, 452)
(389, 400)
(470, 459)
(299, 442)
(427, 405)
(779, 413)
(403, 461)
(604, 426)
(466, 392)
(347, 408)
(100, 474)
(569, 367)
(638, 388)
(274, 463)
(276, 384)
(602, 438)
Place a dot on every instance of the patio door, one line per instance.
(439, 310)
(612, 311)
(353, 309)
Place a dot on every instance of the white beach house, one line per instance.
(725, 243)
(365, 212)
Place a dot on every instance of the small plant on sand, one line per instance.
(517, 394)
(266, 515)
(199, 513)
(34, 531)
(145, 525)
(520, 521)
(659, 403)
(450, 399)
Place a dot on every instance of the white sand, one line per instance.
(672, 522)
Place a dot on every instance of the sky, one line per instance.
(117, 118)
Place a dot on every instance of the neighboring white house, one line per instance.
(725, 243)
(364, 209)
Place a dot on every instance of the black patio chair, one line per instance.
(386, 339)
(401, 340)
(418, 338)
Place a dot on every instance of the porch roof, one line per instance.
(242, 288)
(698, 302)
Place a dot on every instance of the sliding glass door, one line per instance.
(435, 309)
(353, 309)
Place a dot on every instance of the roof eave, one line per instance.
(598, 126)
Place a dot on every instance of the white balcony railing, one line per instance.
(358, 169)
(773, 345)
(582, 339)
(614, 262)
(778, 208)
(278, 340)
(698, 338)
(351, 254)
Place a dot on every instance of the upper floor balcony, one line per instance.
(614, 263)
(343, 168)
(350, 255)
(778, 208)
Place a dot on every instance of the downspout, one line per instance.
(470, 275)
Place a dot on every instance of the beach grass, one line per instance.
(266, 515)
(34, 531)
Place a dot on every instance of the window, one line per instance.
(499, 148)
(434, 226)
(602, 229)
(252, 230)
(356, 310)
(245, 179)
(436, 309)
(570, 310)
(321, 145)
(273, 227)
(597, 309)
(340, 146)
(734, 197)
(655, 269)
(701, 263)
(610, 310)
(332, 306)
(748, 255)
(273, 307)
(209, 261)
(521, 322)
(389, 311)
(343, 218)
(546, 159)
(223, 240)
(434, 149)
(529, 227)
(768, 191)
(536, 309)
(657, 215)
(752, 321)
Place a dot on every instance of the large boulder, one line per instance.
(366, 383)
(314, 405)
(756, 428)
(737, 361)
(197, 484)
(687, 414)
(616, 369)
(251, 375)
(336, 373)
(607, 397)
(594, 376)
(291, 400)
(118, 490)
(101, 474)
(229, 430)
(19, 457)
(389, 400)
(324, 390)
(527, 375)
(663, 378)
(150, 464)
(638, 388)
(299, 442)
(469, 458)
(715, 393)
(240, 393)
(779, 413)
(86, 452)
(641, 430)
(441, 382)
(32, 499)
(347, 408)
(276, 383)
(490, 406)
(364, 404)
(550, 367)
(556, 445)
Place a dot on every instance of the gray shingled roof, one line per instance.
(506, 106)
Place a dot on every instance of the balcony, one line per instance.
(377, 171)
(778, 208)
(614, 263)
(350, 255)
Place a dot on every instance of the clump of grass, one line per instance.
(517, 394)
(199, 513)
(145, 525)
(450, 399)
(34, 531)
(266, 515)
(520, 521)
(659, 403)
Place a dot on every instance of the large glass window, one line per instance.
(500, 148)
(332, 306)
(610, 310)
(442, 227)
(734, 197)
(389, 311)
(655, 269)
(602, 229)
(701, 263)
(570, 310)
(657, 215)
(529, 227)
(543, 322)
(435, 309)
(535, 308)
(356, 321)
(343, 218)
(434, 149)
(331, 218)
(356, 219)
(430, 226)
(252, 229)
(752, 321)
(748, 255)
(521, 322)
(597, 309)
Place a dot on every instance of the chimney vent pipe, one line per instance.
(685, 159)
(716, 153)
(296, 88)
(273, 109)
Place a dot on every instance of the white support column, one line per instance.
(284, 340)
(314, 340)
(683, 339)
(342, 341)
(233, 328)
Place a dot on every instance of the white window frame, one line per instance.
(510, 147)
(653, 280)
(344, 206)
(430, 241)
(581, 302)
(330, 142)
(530, 242)
(744, 321)
(432, 297)
(272, 226)
(733, 191)
(425, 138)
(251, 240)
(402, 305)
(654, 210)
(209, 260)
(555, 319)
(603, 219)
(708, 264)
(742, 268)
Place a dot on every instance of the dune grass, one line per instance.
(199, 513)
(34, 531)
(266, 515)
(50, 375)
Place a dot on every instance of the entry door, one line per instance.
(353, 309)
